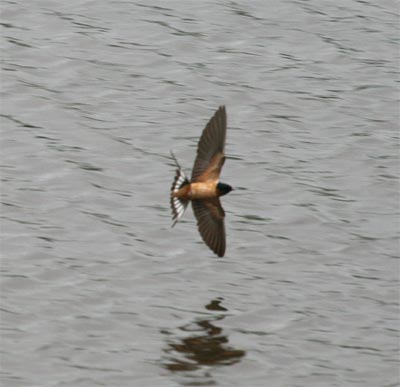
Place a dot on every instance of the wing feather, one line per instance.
(210, 221)
(210, 151)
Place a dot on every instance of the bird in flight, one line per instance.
(204, 188)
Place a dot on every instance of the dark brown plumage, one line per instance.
(204, 188)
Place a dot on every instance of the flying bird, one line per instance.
(204, 188)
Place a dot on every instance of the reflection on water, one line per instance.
(206, 344)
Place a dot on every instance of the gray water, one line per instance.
(98, 290)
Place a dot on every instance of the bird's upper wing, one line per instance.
(210, 151)
(210, 221)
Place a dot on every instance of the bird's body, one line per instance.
(204, 188)
(197, 191)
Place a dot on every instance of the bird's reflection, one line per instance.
(204, 345)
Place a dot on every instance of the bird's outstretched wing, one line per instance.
(210, 221)
(210, 151)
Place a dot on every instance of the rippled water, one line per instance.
(97, 290)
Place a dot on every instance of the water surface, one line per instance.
(97, 290)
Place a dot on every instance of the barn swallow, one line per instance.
(204, 188)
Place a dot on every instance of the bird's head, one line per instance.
(224, 188)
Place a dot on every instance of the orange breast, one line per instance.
(202, 191)
(197, 191)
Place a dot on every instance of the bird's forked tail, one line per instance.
(178, 205)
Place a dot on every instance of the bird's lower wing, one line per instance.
(210, 221)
